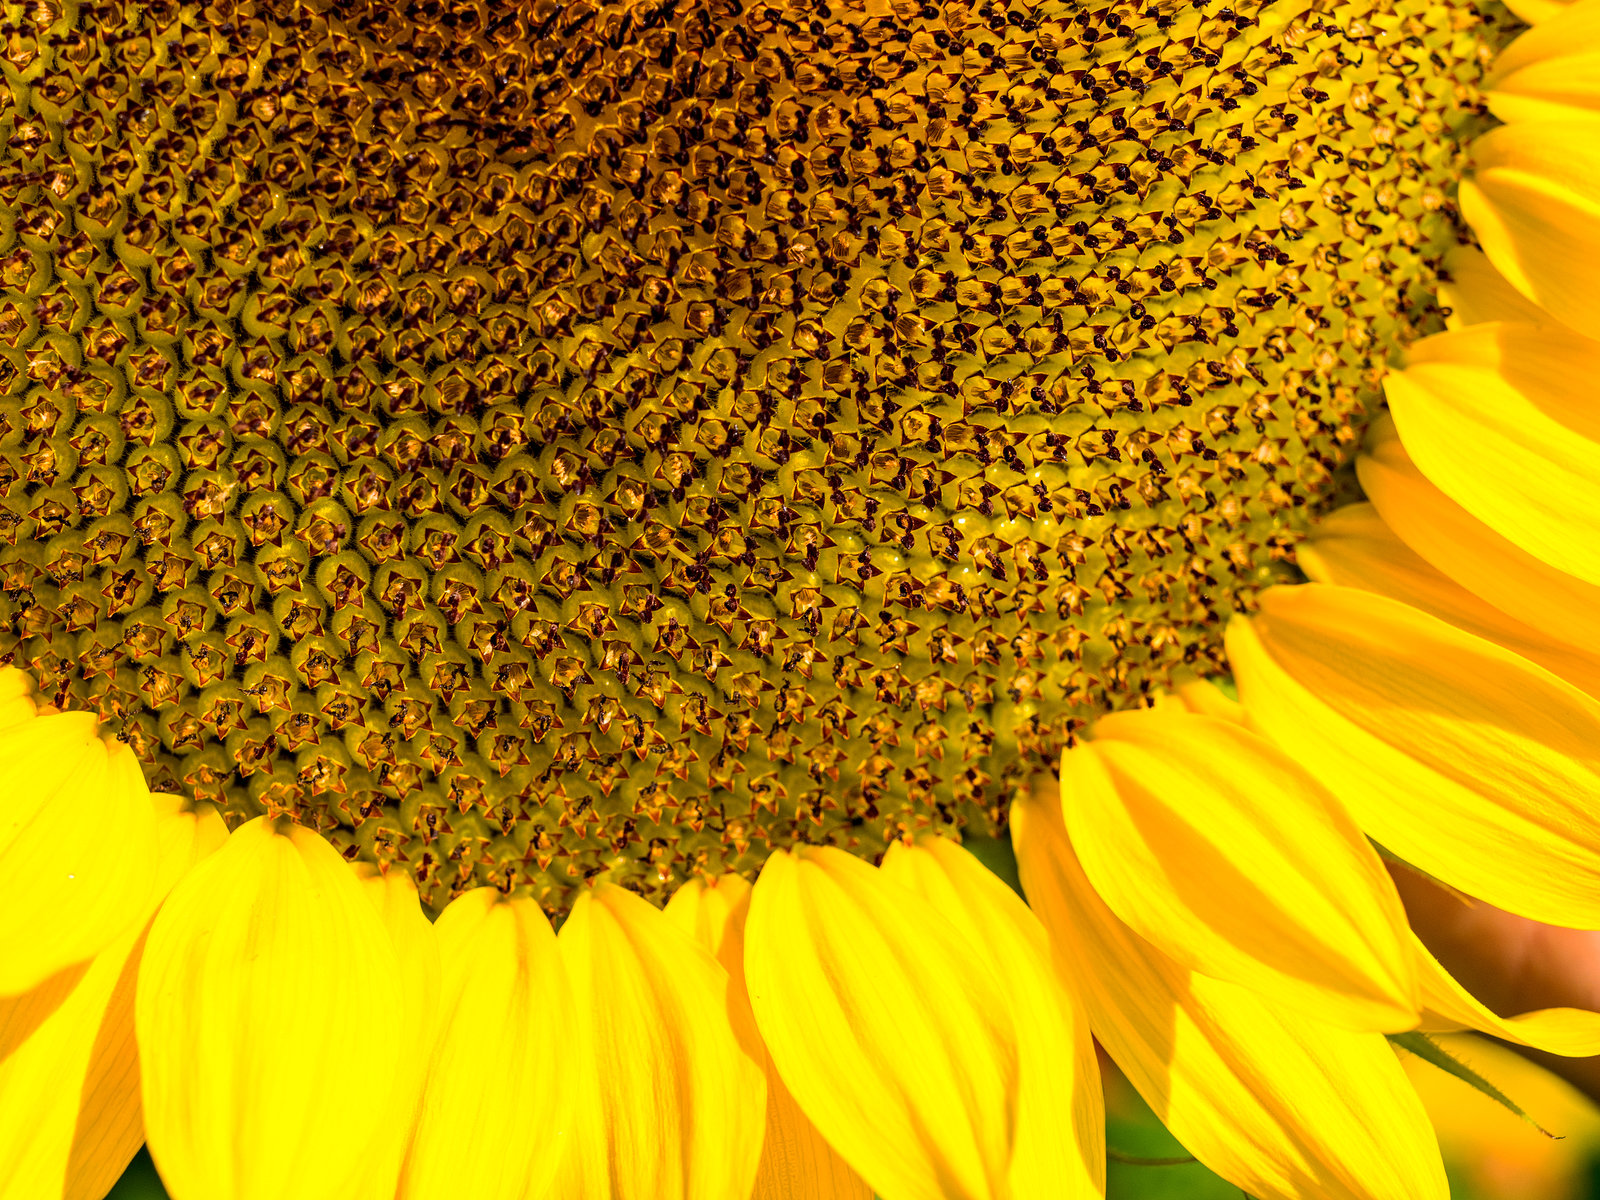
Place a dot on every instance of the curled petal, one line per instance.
(1572, 1032)
(66, 894)
(501, 1010)
(1283, 1106)
(268, 1014)
(891, 1037)
(670, 1105)
(1215, 846)
(1469, 761)
(1535, 207)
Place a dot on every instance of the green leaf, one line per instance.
(1425, 1048)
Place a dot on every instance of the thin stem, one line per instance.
(1133, 1160)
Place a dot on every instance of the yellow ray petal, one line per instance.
(1564, 88)
(796, 1161)
(267, 1010)
(1536, 11)
(1534, 206)
(1206, 699)
(1215, 847)
(902, 1053)
(502, 1014)
(69, 1090)
(1476, 293)
(670, 1107)
(1468, 551)
(1551, 72)
(1574, 30)
(1355, 548)
(1521, 966)
(1472, 763)
(77, 846)
(1060, 1133)
(394, 897)
(1495, 417)
(1573, 1032)
(1287, 1108)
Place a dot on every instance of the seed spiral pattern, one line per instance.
(529, 441)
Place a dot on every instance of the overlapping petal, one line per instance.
(1534, 205)
(502, 1012)
(796, 1161)
(1210, 843)
(1490, 566)
(895, 1041)
(268, 1013)
(1498, 418)
(1354, 547)
(1552, 71)
(78, 843)
(69, 1070)
(1476, 293)
(1473, 763)
(1288, 1108)
(1056, 1067)
(670, 1106)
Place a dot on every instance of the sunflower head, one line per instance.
(589, 438)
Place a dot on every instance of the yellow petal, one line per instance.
(502, 1015)
(1535, 208)
(1468, 551)
(1573, 1032)
(1476, 293)
(669, 1105)
(1287, 1108)
(1466, 760)
(1575, 31)
(1495, 416)
(1535, 11)
(69, 1086)
(1355, 548)
(77, 846)
(1206, 699)
(1562, 89)
(1216, 847)
(1552, 71)
(267, 1011)
(796, 1161)
(394, 897)
(901, 1053)
(1060, 1133)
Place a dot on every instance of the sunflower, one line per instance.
(527, 472)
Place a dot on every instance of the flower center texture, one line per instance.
(527, 441)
